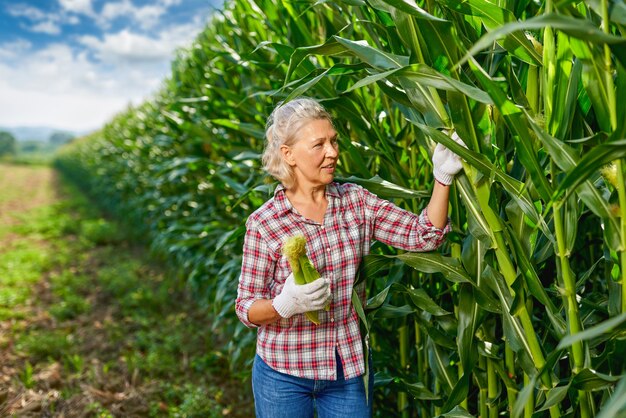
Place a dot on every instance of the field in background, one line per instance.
(90, 324)
(523, 310)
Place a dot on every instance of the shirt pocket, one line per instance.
(352, 229)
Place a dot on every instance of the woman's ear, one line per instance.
(287, 155)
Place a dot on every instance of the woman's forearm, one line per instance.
(262, 312)
(438, 206)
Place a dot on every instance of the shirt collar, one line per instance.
(280, 199)
(283, 204)
(333, 190)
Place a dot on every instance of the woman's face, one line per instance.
(314, 154)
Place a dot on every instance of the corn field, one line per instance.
(523, 311)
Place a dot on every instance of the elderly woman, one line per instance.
(301, 367)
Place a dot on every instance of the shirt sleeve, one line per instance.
(400, 228)
(257, 269)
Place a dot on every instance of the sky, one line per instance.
(73, 64)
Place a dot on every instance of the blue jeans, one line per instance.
(279, 395)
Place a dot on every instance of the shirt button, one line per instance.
(328, 249)
(322, 226)
(332, 319)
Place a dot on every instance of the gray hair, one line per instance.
(282, 128)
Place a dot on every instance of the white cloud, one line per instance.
(168, 3)
(67, 89)
(24, 10)
(82, 87)
(66, 111)
(77, 6)
(40, 21)
(48, 27)
(11, 50)
(126, 46)
(146, 16)
(149, 16)
(112, 10)
(60, 88)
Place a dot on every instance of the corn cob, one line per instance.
(294, 248)
(310, 273)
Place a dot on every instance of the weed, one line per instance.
(99, 410)
(192, 401)
(45, 223)
(119, 278)
(7, 313)
(117, 320)
(21, 267)
(26, 377)
(70, 307)
(100, 231)
(74, 363)
(70, 282)
(44, 344)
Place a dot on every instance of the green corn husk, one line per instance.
(294, 248)
(310, 273)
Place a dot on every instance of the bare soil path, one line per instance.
(90, 326)
(22, 189)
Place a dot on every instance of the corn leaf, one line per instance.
(576, 28)
(605, 327)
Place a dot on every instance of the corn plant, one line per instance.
(523, 311)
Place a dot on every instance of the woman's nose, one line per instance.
(331, 150)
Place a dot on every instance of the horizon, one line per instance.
(39, 133)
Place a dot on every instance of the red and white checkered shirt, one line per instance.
(353, 219)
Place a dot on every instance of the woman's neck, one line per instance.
(310, 203)
(308, 195)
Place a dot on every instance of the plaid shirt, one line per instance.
(353, 219)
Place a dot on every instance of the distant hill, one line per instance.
(36, 133)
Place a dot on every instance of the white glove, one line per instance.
(446, 164)
(296, 299)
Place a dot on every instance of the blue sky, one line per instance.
(74, 64)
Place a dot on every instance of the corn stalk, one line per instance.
(519, 313)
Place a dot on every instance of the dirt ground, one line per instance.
(54, 391)
(24, 188)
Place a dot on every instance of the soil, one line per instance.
(105, 381)
(32, 188)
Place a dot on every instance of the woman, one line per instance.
(301, 367)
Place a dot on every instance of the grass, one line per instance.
(94, 320)
(22, 266)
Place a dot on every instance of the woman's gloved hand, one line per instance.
(296, 299)
(446, 164)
